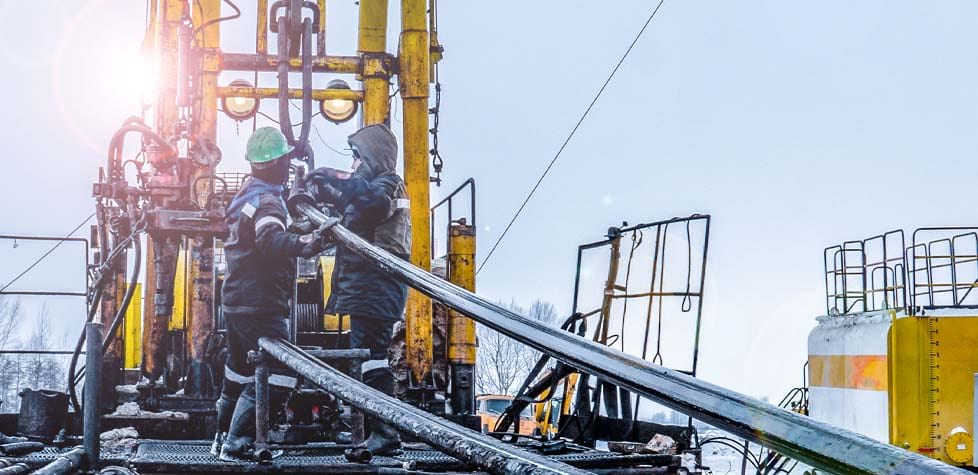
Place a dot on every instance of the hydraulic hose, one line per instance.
(284, 119)
(73, 373)
(72, 395)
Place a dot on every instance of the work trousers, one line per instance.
(243, 333)
(374, 334)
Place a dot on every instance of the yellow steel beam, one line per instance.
(372, 44)
(263, 62)
(413, 79)
(272, 92)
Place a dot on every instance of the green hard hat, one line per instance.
(265, 145)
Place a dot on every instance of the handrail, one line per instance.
(815, 443)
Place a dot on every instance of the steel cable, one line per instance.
(570, 136)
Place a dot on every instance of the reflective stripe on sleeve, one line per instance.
(269, 220)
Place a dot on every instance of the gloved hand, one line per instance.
(323, 230)
(313, 244)
(302, 226)
(327, 175)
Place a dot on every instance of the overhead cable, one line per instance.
(571, 135)
(46, 254)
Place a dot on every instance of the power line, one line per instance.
(46, 254)
(571, 135)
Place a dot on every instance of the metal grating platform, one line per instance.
(45, 456)
(154, 456)
(167, 456)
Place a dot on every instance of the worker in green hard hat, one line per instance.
(260, 253)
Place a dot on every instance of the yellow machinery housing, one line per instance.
(894, 358)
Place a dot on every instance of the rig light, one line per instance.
(237, 107)
(338, 110)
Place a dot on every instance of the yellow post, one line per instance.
(261, 29)
(413, 78)
(375, 74)
(132, 329)
(462, 343)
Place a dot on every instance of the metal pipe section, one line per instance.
(262, 453)
(8, 468)
(68, 462)
(484, 451)
(812, 442)
(93, 384)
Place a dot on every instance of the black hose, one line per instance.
(73, 373)
(72, 395)
(306, 84)
(284, 119)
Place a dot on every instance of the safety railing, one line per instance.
(448, 203)
(867, 275)
(944, 269)
(818, 444)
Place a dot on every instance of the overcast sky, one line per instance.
(796, 125)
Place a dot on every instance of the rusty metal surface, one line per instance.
(199, 383)
(818, 444)
(481, 450)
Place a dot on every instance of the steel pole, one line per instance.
(484, 451)
(93, 385)
(818, 444)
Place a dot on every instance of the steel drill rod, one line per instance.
(815, 443)
(68, 462)
(481, 450)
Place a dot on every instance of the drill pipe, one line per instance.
(68, 462)
(484, 451)
(815, 443)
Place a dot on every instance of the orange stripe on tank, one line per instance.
(866, 372)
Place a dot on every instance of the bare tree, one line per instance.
(42, 371)
(9, 316)
(503, 362)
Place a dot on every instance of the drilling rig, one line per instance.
(170, 200)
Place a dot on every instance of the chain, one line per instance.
(436, 49)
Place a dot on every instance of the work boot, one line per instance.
(239, 443)
(225, 409)
(383, 439)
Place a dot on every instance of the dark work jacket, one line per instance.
(260, 253)
(375, 207)
(359, 288)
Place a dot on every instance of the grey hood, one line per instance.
(378, 150)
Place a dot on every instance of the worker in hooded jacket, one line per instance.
(260, 253)
(374, 205)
